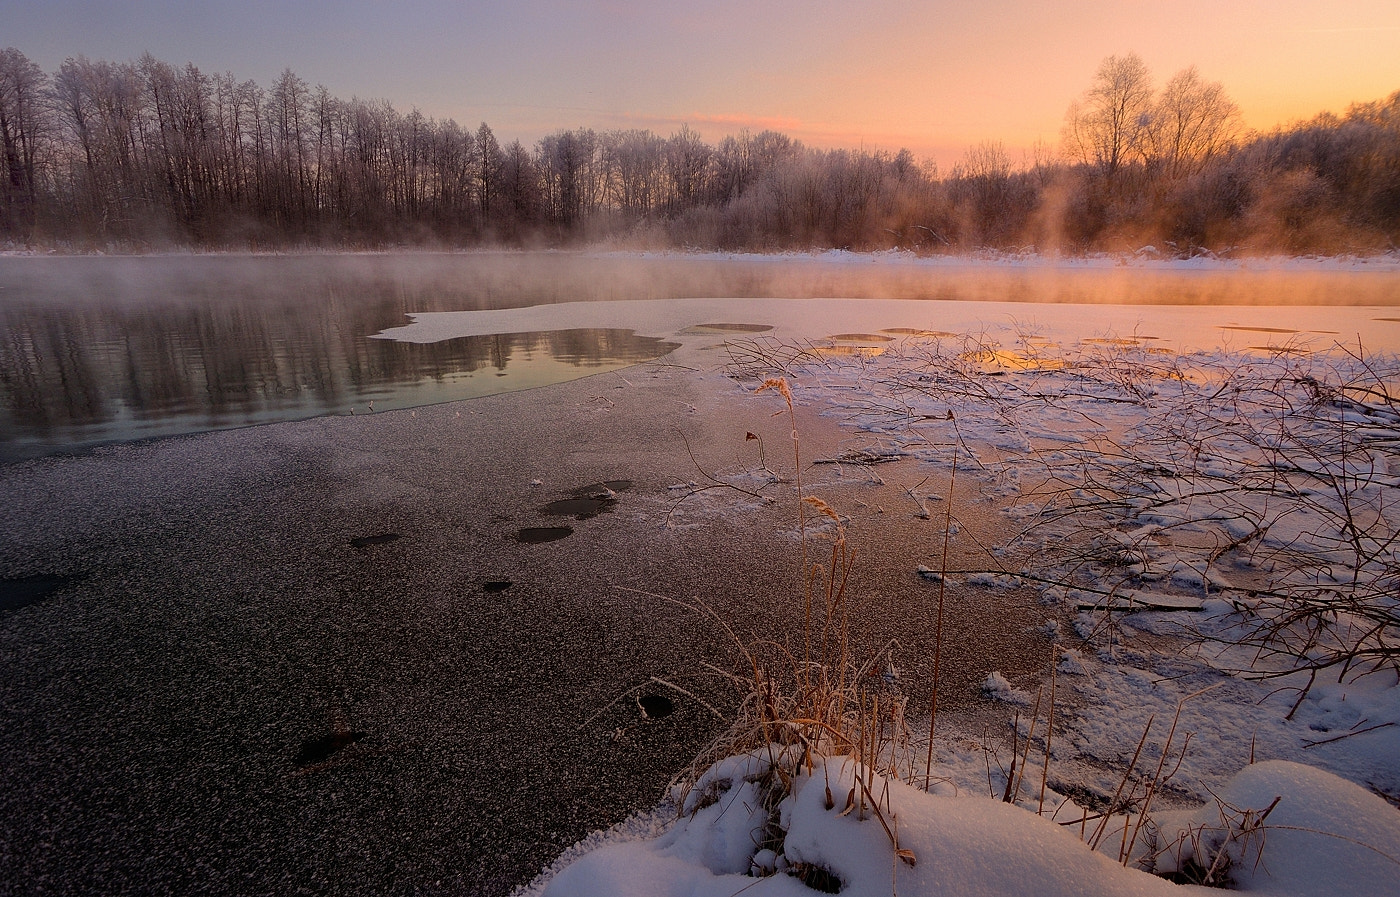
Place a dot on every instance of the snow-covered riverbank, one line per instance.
(1222, 527)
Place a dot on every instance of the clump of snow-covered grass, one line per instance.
(1283, 828)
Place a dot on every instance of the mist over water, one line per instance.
(410, 282)
(110, 349)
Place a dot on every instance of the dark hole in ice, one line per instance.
(578, 508)
(816, 878)
(860, 338)
(534, 535)
(319, 749)
(588, 501)
(729, 328)
(380, 539)
(17, 593)
(655, 706)
(1257, 329)
(497, 585)
(914, 331)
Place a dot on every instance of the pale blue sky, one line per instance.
(933, 76)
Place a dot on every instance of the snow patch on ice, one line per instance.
(997, 686)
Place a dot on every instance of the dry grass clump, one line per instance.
(811, 696)
(816, 694)
(1206, 854)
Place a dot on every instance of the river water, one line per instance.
(325, 658)
(98, 350)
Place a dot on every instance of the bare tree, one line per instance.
(520, 180)
(687, 165)
(993, 202)
(289, 107)
(568, 164)
(178, 143)
(230, 112)
(632, 165)
(101, 105)
(454, 152)
(487, 167)
(328, 184)
(1106, 128)
(987, 161)
(1192, 122)
(24, 131)
(734, 166)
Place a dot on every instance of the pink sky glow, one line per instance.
(935, 77)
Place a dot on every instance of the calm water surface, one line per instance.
(99, 350)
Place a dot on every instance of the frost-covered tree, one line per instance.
(687, 164)
(633, 166)
(1108, 126)
(100, 104)
(487, 164)
(24, 130)
(568, 164)
(1192, 121)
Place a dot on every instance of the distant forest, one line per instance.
(141, 156)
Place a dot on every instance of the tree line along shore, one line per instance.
(143, 155)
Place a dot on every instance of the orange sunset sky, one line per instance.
(935, 77)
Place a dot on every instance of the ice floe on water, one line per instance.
(1004, 334)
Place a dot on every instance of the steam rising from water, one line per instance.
(153, 345)
(481, 280)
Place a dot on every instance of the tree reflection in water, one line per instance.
(84, 363)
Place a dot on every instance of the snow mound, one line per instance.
(961, 846)
(1324, 836)
(764, 824)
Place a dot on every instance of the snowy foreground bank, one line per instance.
(1322, 836)
(1223, 530)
